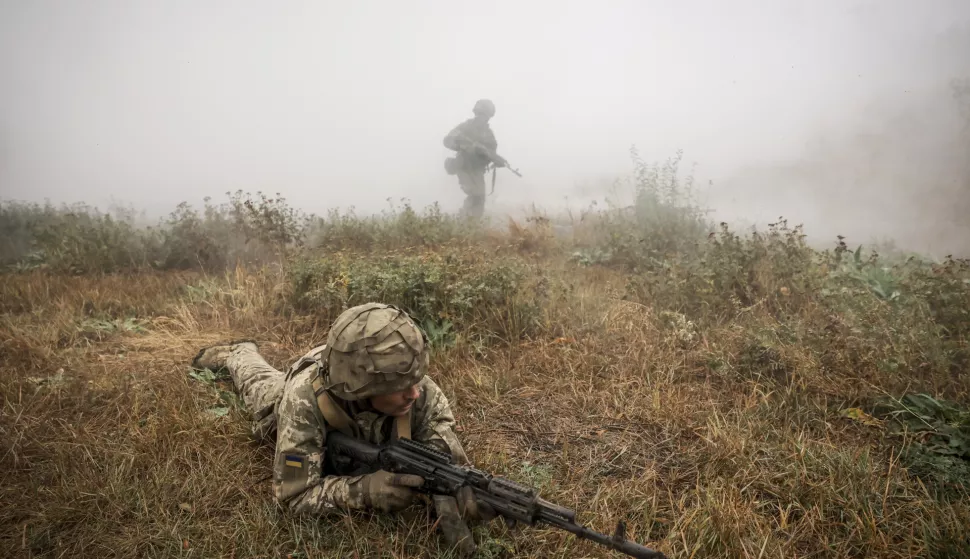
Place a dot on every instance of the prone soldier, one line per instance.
(368, 381)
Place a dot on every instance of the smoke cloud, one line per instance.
(847, 116)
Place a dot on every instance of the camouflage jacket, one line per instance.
(299, 479)
(474, 141)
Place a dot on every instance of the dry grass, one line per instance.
(615, 409)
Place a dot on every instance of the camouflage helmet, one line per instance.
(373, 349)
(484, 107)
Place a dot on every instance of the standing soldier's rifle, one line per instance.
(495, 160)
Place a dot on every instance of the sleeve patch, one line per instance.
(293, 461)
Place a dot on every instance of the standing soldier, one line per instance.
(369, 382)
(475, 145)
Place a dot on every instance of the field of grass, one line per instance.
(727, 394)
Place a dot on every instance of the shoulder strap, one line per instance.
(334, 416)
(402, 426)
(308, 358)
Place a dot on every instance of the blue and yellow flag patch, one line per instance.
(293, 461)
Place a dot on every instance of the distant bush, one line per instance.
(245, 230)
(663, 220)
(72, 238)
(393, 228)
(466, 291)
(727, 273)
(81, 239)
(903, 321)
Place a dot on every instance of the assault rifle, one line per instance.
(499, 161)
(467, 144)
(510, 500)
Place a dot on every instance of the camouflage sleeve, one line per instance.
(298, 480)
(434, 422)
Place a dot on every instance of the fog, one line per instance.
(835, 113)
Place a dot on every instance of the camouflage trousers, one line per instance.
(473, 185)
(257, 382)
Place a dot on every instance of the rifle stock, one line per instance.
(511, 500)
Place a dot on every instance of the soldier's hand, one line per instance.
(389, 492)
(453, 527)
(471, 509)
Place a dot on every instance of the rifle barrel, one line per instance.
(617, 542)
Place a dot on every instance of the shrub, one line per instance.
(662, 221)
(81, 239)
(465, 290)
(394, 228)
(70, 239)
(775, 269)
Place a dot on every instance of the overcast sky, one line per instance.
(837, 113)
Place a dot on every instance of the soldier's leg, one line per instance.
(474, 206)
(473, 184)
(257, 382)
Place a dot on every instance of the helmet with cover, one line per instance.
(373, 349)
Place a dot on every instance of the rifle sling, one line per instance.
(334, 416)
(402, 426)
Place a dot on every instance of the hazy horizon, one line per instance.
(836, 114)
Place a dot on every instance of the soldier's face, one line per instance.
(396, 403)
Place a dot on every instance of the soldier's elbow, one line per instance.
(294, 504)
